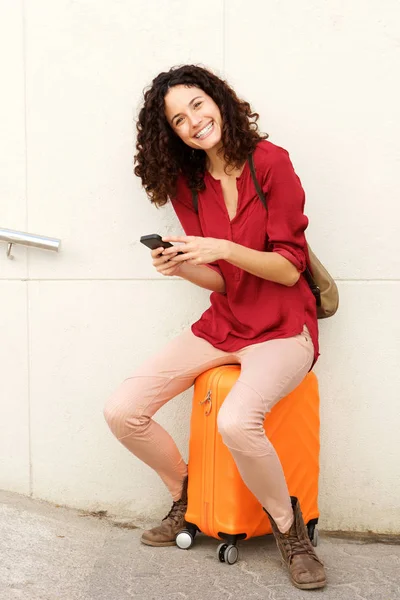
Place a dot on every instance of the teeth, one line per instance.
(204, 131)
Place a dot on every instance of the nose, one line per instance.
(195, 120)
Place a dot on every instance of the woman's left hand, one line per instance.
(197, 250)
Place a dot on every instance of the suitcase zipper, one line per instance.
(207, 490)
(207, 399)
(209, 451)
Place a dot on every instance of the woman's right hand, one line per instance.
(165, 264)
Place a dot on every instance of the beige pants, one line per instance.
(269, 371)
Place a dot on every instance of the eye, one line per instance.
(178, 121)
(197, 104)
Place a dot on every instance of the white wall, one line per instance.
(324, 79)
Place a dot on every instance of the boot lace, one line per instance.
(295, 546)
(177, 511)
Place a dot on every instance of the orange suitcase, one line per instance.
(219, 503)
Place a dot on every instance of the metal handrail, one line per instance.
(28, 239)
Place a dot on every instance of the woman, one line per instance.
(194, 133)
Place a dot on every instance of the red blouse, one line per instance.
(252, 309)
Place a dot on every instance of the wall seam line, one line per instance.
(223, 35)
(165, 279)
(28, 361)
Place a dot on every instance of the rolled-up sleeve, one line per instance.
(188, 218)
(286, 222)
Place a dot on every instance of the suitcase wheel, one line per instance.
(314, 539)
(227, 553)
(313, 534)
(185, 539)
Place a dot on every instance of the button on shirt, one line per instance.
(252, 309)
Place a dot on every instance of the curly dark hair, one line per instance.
(162, 156)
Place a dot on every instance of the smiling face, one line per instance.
(194, 117)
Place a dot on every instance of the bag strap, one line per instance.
(259, 191)
(195, 201)
(307, 273)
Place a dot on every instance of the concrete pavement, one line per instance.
(54, 553)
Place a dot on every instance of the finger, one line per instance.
(167, 270)
(181, 256)
(188, 256)
(175, 259)
(158, 262)
(168, 256)
(181, 238)
(174, 250)
(156, 252)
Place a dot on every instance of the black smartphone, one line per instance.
(154, 241)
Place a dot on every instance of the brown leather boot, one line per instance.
(173, 523)
(306, 570)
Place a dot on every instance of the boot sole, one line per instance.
(304, 586)
(309, 586)
(158, 544)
